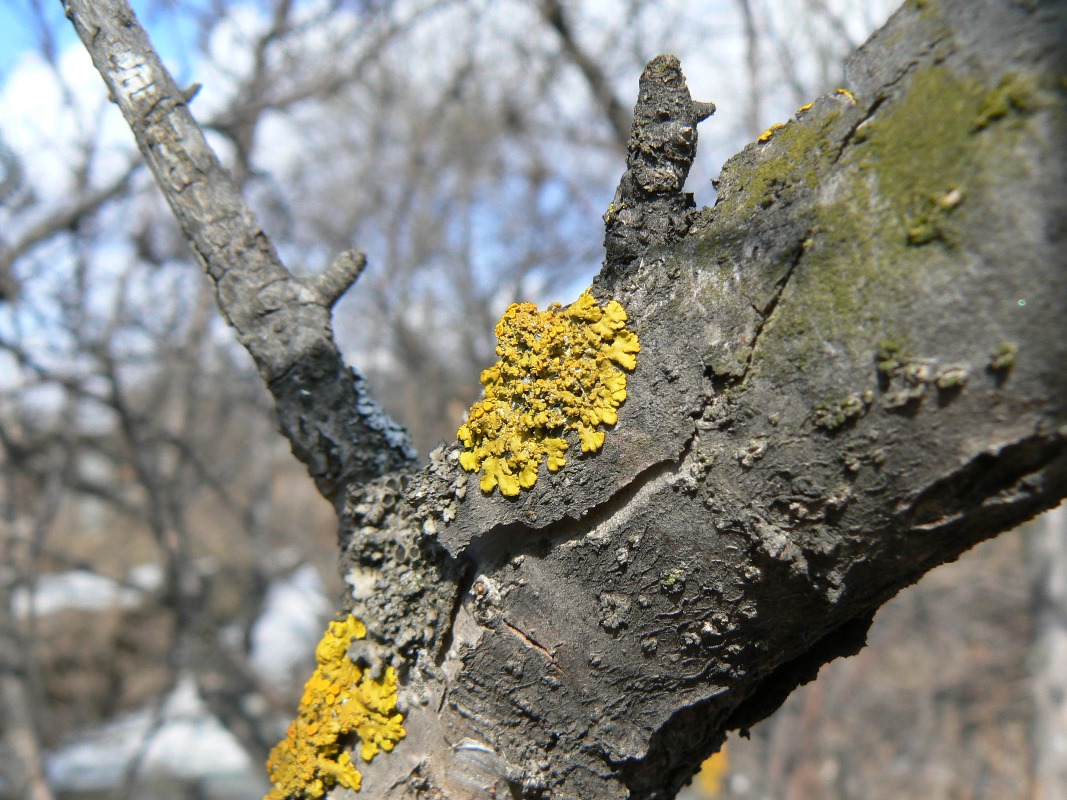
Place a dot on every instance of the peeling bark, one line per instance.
(853, 368)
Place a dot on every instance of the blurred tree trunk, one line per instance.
(23, 775)
(1048, 656)
(19, 742)
(852, 369)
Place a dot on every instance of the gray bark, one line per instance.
(650, 207)
(852, 370)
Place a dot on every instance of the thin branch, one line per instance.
(253, 92)
(65, 219)
(335, 280)
(157, 720)
(334, 427)
(617, 115)
(20, 549)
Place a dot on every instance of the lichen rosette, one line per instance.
(560, 370)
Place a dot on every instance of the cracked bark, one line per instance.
(852, 370)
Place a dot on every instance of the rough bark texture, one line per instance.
(852, 370)
(650, 207)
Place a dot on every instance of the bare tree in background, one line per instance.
(145, 459)
(413, 182)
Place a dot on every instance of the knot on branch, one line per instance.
(650, 207)
(330, 284)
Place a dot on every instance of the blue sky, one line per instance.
(21, 23)
(19, 26)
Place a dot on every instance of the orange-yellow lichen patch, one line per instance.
(340, 699)
(559, 370)
(712, 772)
(846, 94)
(767, 134)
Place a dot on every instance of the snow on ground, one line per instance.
(79, 590)
(185, 742)
(295, 613)
(188, 743)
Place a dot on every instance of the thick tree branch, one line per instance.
(852, 369)
(284, 322)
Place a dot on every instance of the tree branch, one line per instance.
(334, 427)
(334, 281)
(61, 220)
(650, 207)
(553, 12)
(852, 369)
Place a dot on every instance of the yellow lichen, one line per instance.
(767, 134)
(340, 699)
(712, 772)
(559, 371)
(846, 94)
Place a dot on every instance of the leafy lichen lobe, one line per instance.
(560, 370)
(340, 700)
